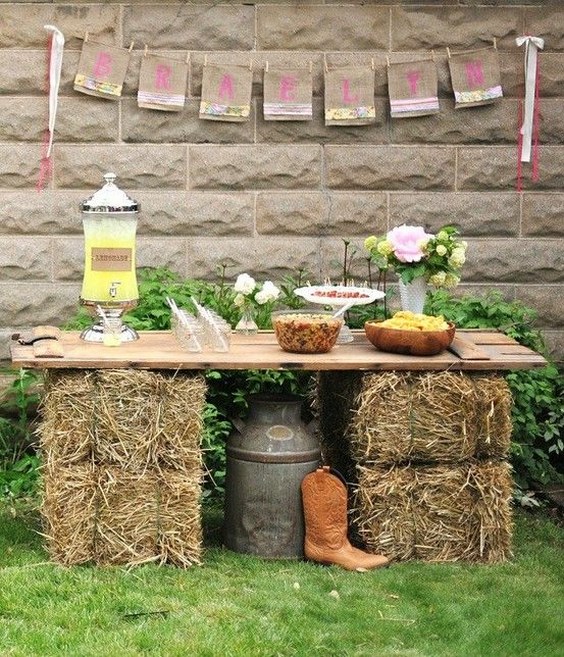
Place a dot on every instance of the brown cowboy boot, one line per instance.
(324, 498)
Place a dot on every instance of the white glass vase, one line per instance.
(413, 294)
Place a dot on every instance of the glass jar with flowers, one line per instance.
(419, 259)
(252, 297)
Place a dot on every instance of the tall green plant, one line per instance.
(18, 461)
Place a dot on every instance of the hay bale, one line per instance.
(493, 413)
(127, 520)
(182, 398)
(67, 417)
(382, 513)
(440, 513)
(411, 417)
(68, 512)
(180, 530)
(127, 406)
(492, 486)
(443, 514)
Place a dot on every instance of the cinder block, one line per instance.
(195, 213)
(199, 27)
(264, 257)
(322, 28)
(255, 167)
(136, 167)
(514, 261)
(495, 168)
(547, 300)
(22, 24)
(25, 258)
(543, 215)
(392, 168)
(47, 213)
(425, 28)
(476, 214)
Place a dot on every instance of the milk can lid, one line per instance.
(110, 198)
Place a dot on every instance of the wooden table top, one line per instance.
(470, 350)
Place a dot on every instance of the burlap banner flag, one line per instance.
(349, 96)
(226, 93)
(475, 76)
(162, 83)
(101, 70)
(413, 88)
(287, 95)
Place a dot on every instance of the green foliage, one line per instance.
(18, 461)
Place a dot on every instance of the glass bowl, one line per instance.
(305, 331)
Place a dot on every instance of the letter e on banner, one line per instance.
(287, 90)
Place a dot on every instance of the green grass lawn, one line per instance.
(240, 605)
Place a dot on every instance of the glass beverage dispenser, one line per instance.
(109, 287)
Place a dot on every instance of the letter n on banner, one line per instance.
(475, 76)
(162, 83)
(226, 93)
(288, 95)
(413, 88)
(101, 70)
(349, 96)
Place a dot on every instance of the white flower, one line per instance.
(268, 293)
(244, 284)
(441, 249)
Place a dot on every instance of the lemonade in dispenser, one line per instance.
(109, 286)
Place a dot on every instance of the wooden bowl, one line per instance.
(411, 343)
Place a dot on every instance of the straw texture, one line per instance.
(426, 455)
(122, 466)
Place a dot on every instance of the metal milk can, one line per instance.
(266, 462)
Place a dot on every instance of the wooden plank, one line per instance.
(159, 350)
(466, 349)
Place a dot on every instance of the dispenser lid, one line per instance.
(110, 198)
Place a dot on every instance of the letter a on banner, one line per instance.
(101, 70)
(413, 88)
(226, 93)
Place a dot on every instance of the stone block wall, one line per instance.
(269, 197)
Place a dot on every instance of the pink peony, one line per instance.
(408, 242)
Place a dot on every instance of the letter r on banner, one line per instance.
(103, 64)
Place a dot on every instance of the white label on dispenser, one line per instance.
(108, 259)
